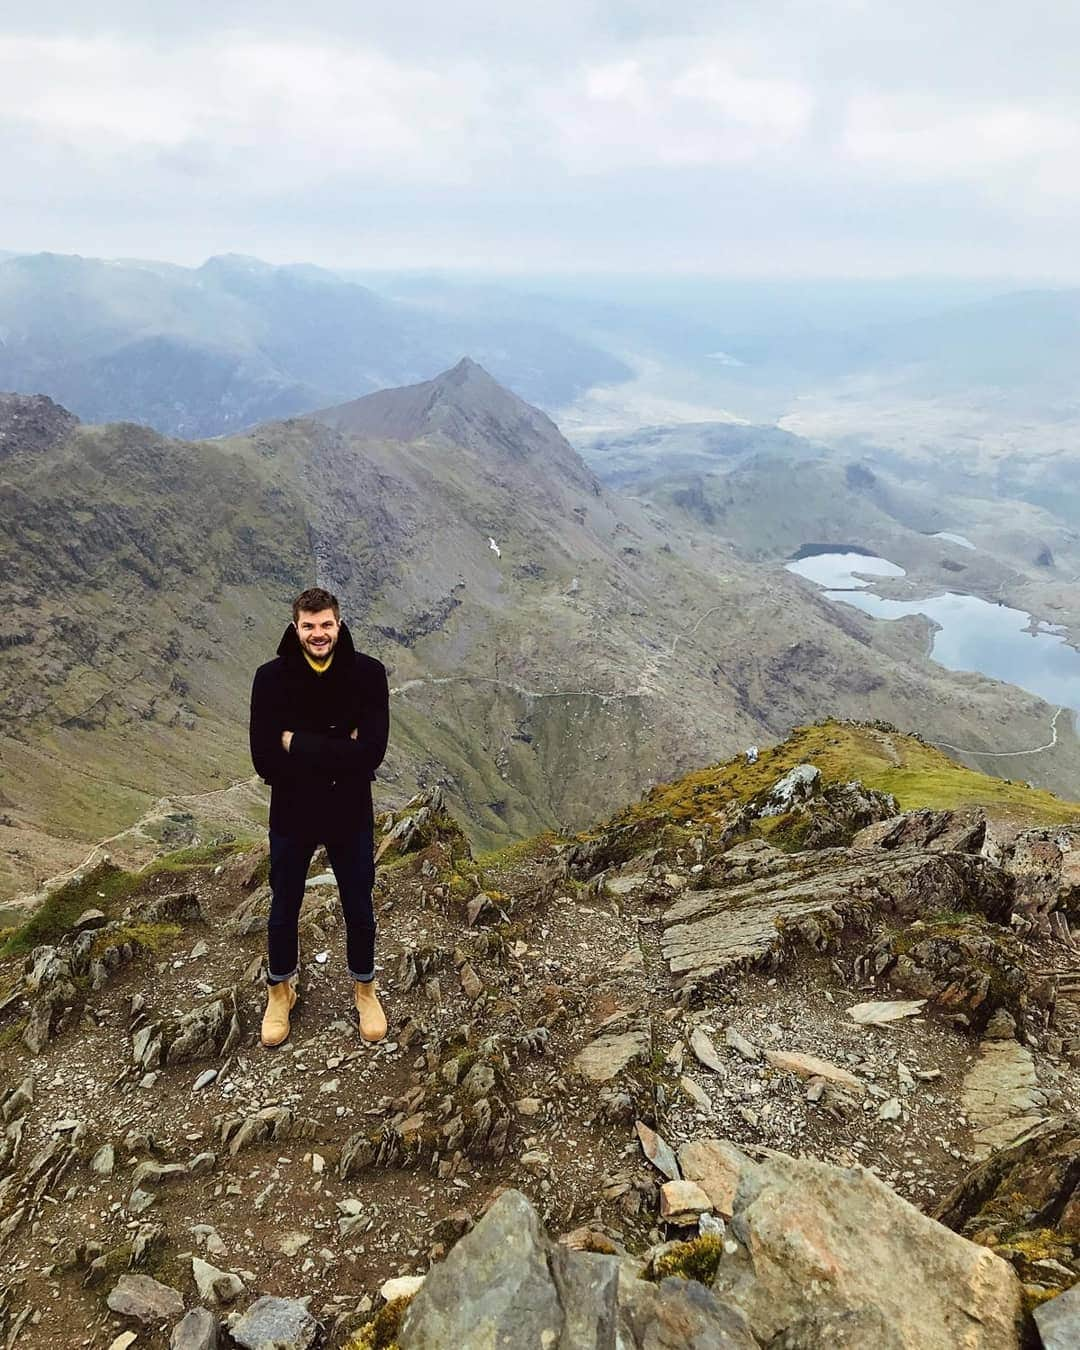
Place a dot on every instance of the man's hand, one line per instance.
(353, 733)
(286, 739)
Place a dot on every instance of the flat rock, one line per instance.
(715, 1166)
(810, 1066)
(741, 1045)
(143, 1297)
(697, 1094)
(657, 1150)
(625, 885)
(607, 1056)
(683, 1202)
(216, 1287)
(705, 1051)
(811, 900)
(876, 1014)
(402, 1286)
(997, 1095)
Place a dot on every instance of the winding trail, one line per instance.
(508, 684)
(1007, 754)
(135, 827)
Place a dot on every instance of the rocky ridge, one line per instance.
(684, 1028)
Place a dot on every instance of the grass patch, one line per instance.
(12, 1033)
(917, 774)
(516, 852)
(105, 887)
(200, 855)
(101, 888)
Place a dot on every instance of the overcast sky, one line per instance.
(806, 137)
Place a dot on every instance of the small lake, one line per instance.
(972, 634)
(835, 569)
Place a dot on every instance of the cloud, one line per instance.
(928, 137)
(799, 135)
(261, 110)
(642, 111)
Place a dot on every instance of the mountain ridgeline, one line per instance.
(554, 645)
(207, 350)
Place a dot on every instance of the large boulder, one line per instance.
(824, 1248)
(506, 1283)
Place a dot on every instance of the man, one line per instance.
(320, 721)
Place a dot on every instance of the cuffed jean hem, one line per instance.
(280, 979)
(362, 979)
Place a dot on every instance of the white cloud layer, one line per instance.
(842, 135)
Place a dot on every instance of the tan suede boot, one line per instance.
(280, 999)
(369, 1010)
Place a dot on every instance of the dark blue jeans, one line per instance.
(353, 862)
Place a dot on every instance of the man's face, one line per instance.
(318, 633)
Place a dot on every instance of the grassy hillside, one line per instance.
(917, 774)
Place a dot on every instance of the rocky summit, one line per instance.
(773, 1057)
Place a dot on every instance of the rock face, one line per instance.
(507, 1284)
(813, 899)
(822, 1257)
(1024, 1203)
(31, 423)
(821, 1245)
(939, 831)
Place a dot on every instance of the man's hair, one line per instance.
(313, 601)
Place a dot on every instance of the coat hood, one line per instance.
(289, 646)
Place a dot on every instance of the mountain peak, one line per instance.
(463, 406)
(465, 369)
(32, 422)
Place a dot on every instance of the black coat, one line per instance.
(320, 788)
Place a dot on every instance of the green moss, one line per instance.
(382, 1331)
(1036, 1244)
(148, 937)
(101, 888)
(694, 1260)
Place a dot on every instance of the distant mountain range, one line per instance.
(554, 645)
(207, 350)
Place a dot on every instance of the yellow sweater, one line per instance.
(319, 667)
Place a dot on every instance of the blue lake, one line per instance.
(972, 634)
